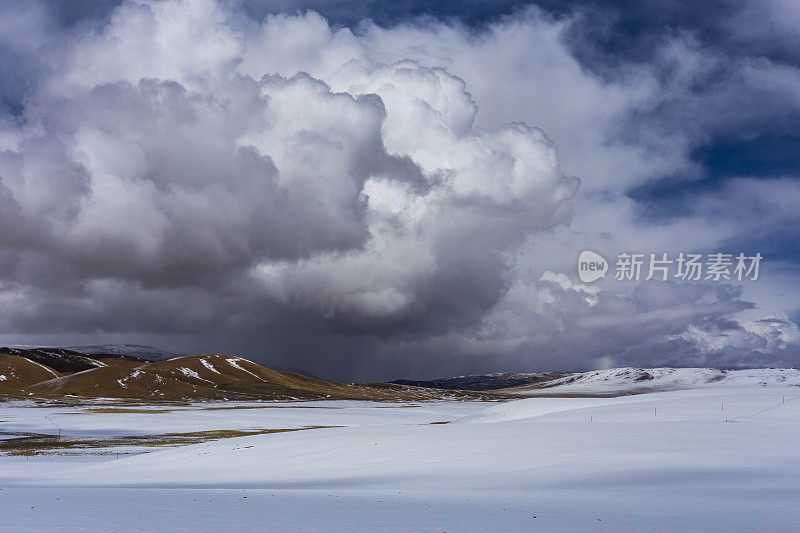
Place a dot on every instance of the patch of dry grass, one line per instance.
(223, 408)
(116, 410)
(44, 444)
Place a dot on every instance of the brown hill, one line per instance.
(18, 372)
(212, 377)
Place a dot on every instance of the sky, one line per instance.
(372, 190)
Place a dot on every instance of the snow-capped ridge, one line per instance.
(629, 380)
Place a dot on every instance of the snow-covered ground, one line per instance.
(714, 459)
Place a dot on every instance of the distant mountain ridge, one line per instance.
(139, 351)
(136, 350)
(612, 381)
(484, 382)
(59, 359)
(628, 380)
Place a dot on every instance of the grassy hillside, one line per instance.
(215, 377)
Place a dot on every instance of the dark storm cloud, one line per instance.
(197, 204)
(377, 203)
(353, 12)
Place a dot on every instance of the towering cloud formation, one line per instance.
(182, 174)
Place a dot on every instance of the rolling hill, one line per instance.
(18, 372)
(61, 372)
(194, 377)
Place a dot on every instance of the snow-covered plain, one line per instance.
(714, 459)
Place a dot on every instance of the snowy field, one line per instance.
(712, 459)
